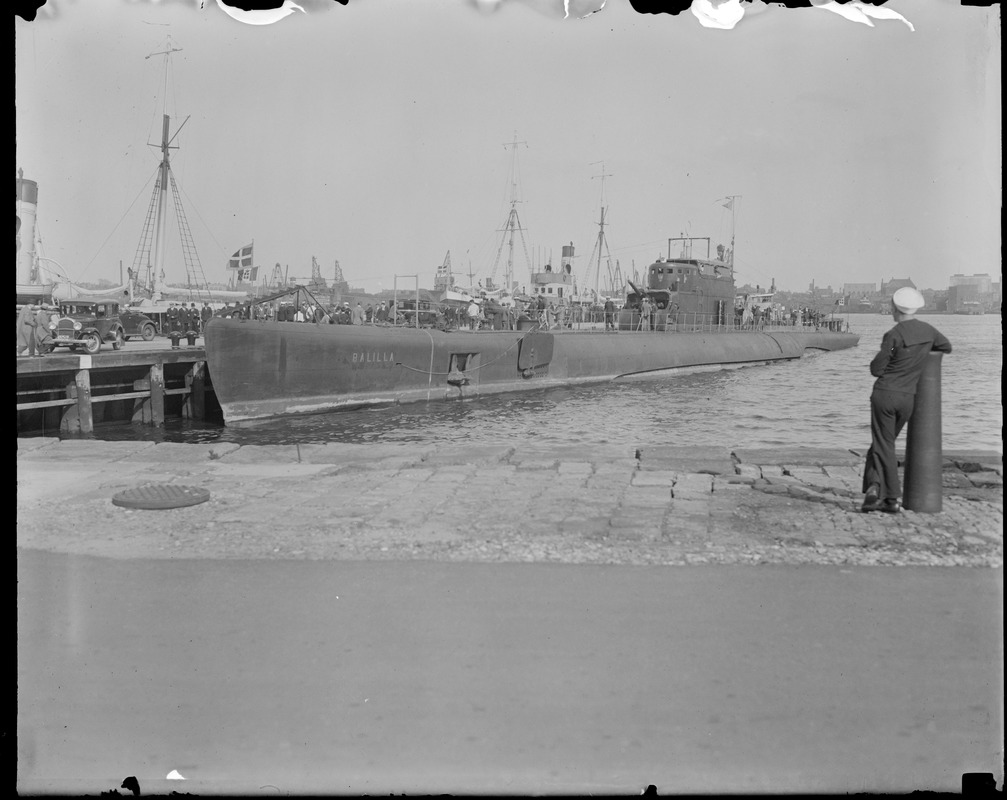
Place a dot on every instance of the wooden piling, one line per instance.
(82, 385)
(195, 381)
(157, 394)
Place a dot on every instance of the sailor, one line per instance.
(609, 314)
(473, 314)
(645, 314)
(204, 315)
(897, 367)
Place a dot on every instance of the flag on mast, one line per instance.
(242, 259)
(729, 205)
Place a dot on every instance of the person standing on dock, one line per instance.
(26, 330)
(609, 314)
(897, 367)
(172, 315)
(645, 314)
(43, 338)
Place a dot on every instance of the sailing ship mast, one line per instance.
(157, 212)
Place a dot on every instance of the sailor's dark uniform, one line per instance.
(897, 367)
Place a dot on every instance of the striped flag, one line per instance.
(241, 259)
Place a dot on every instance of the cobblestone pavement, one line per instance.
(654, 504)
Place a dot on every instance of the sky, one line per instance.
(376, 134)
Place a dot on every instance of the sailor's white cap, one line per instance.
(908, 300)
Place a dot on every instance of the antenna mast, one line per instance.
(732, 206)
(513, 223)
(602, 242)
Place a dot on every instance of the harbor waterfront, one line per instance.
(593, 524)
(578, 590)
(818, 401)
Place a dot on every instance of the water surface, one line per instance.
(818, 401)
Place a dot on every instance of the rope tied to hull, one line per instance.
(474, 369)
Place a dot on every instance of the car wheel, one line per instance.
(148, 332)
(92, 342)
(119, 340)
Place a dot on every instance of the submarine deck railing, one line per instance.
(661, 322)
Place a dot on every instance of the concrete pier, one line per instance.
(652, 504)
(394, 618)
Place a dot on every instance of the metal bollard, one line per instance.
(175, 336)
(924, 460)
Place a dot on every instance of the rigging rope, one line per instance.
(89, 263)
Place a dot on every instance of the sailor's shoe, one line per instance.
(871, 501)
(891, 505)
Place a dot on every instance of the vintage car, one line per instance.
(87, 323)
(136, 323)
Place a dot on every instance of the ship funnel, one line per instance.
(27, 202)
(566, 262)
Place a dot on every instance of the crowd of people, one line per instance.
(186, 320)
(756, 318)
(339, 314)
(481, 313)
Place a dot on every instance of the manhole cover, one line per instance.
(159, 497)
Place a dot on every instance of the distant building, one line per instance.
(890, 287)
(964, 299)
(858, 290)
(982, 281)
(973, 294)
